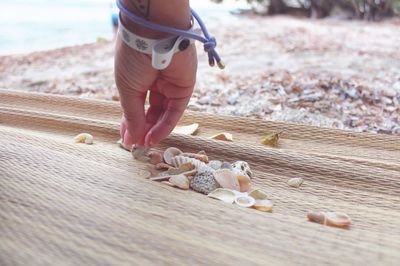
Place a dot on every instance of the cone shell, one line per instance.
(186, 130)
(180, 181)
(224, 136)
(204, 183)
(244, 183)
(258, 194)
(295, 182)
(171, 153)
(227, 179)
(263, 205)
(223, 194)
(245, 201)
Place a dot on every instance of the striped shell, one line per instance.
(177, 161)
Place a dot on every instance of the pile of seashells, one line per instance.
(219, 180)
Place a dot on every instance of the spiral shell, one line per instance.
(177, 161)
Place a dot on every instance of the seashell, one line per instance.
(226, 165)
(155, 157)
(181, 181)
(258, 194)
(84, 138)
(227, 179)
(171, 153)
(271, 139)
(140, 153)
(186, 130)
(337, 219)
(161, 166)
(204, 183)
(177, 161)
(200, 157)
(295, 182)
(215, 164)
(224, 136)
(202, 152)
(263, 205)
(245, 201)
(242, 168)
(168, 183)
(244, 183)
(181, 169)
(160, 178)
(223, 194)
(121, 144)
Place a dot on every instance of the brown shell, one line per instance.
(224, 136)
(171, 153)
(186, 130)
(155, 157)
(200, 157)
(244, 183)
(263, 205)
(337, 219)
(258, 194)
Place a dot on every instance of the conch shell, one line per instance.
(337, 219)
(263, 205)
(177, 161)
(223, 136)
(84, 138)
(295, 182)
(186, 130)
(171, 153)
(223, 194)
(180, 181)
(227, 179)
(245, 201)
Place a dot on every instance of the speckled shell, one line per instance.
(242, 168)
(177, 161)
(204, 183)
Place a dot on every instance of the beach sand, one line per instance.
(331, 73)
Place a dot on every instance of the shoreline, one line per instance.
(341, 74)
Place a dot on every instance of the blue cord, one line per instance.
(209, 41)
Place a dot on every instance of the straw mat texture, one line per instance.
(63, 203)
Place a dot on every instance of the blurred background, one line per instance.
(331, 63)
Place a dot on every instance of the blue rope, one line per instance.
(209, 41)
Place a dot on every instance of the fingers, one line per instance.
(167, 122)
(156, 109)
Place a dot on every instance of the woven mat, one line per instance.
(63, 203)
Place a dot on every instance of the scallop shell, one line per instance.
(215, 164)
(337, 219)
(224, 136)
(223, 194)
(227, 179)
(171, 153)
(180, 181)
(177, 161)
(245, 201)
(263, 205)
(295, 182)
(204, 183)
(84, 138)
(258, 194)
(186, 130)
(242, 168)
(244, 183)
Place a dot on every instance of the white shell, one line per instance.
(84, 138)
(295, 182)
(215, 164)
(245, 201)
(223, 194)
(177, 161)
(170, 153)
(242, 168)
(186, 130)
(263, 205)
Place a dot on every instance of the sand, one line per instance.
(331, 73)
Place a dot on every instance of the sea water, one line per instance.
(33, 25)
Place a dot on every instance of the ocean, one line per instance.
(34, 25)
